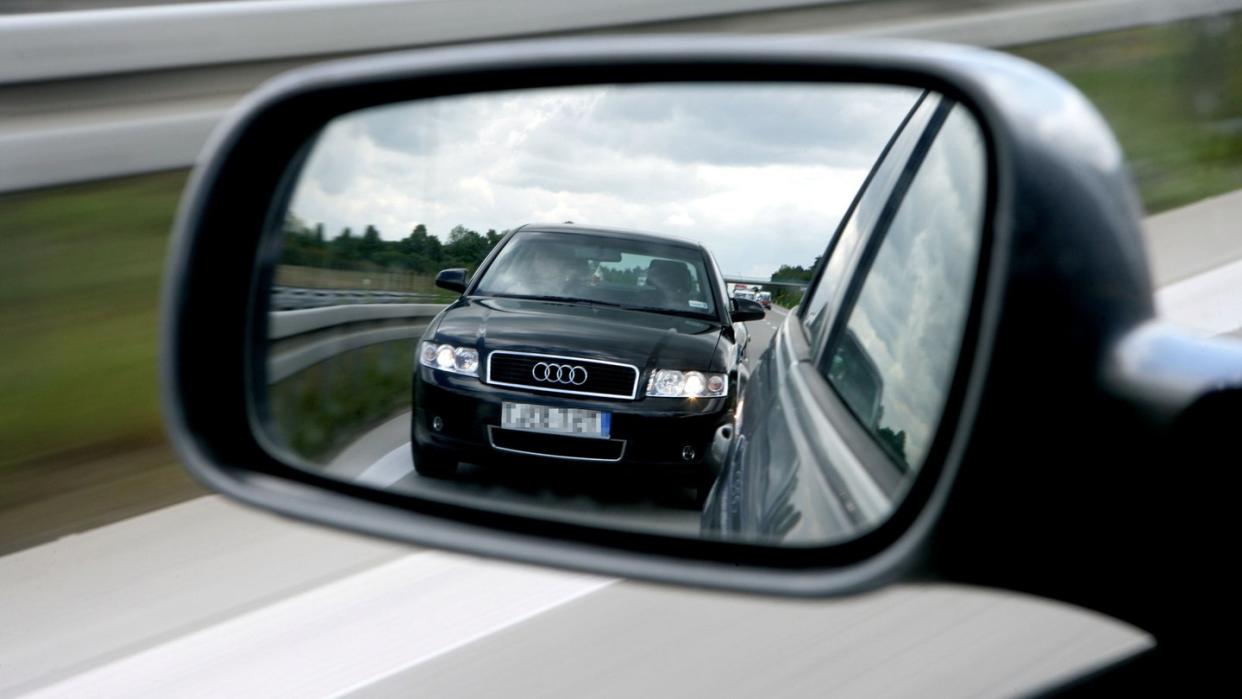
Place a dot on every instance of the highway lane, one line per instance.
(1190, 240)
(211, 599)
(635, 640)
(88, 599)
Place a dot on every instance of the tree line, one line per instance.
(419, 252)
(786, 296)
(422, 252)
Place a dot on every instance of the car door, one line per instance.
(813, 435)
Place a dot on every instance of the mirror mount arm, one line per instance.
(1165, 371)
(1188, 389)
(1158, 502)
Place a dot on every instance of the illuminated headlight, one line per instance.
(670, 383)
(459, 360)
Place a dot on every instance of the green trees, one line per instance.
(787, 297)
(895, 442)
(423, 253)
(419, 252)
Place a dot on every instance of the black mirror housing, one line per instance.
(452, 279)
(745, 310)
(1057, 183)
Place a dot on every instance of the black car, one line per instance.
(580, 344)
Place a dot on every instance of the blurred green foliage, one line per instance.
(321, 409)
(1173, 96)
(1171, 93)
(788, 297)
(420, 252)
(79, 283)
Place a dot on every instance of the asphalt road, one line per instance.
(212, 599)
(643, 501)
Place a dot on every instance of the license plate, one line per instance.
(545, 418)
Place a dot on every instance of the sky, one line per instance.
(760, 173)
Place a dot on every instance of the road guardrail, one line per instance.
(105, 93)
(312, 335)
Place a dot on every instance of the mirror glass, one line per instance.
(725, 310)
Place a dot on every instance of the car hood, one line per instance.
(641, 338)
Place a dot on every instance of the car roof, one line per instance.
(606, 232)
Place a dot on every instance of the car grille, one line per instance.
(556, 446)
(557, 374)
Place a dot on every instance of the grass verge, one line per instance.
(321, 409)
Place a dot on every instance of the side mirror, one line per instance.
(452, 279)
(745, 310)
(968, 393)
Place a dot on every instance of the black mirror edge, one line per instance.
(210, 410)
(943, 524)
(452, 279)
(746, 310)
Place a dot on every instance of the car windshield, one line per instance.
(612, 271)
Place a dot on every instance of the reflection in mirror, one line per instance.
(574, 303)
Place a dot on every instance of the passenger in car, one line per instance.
(672, 278)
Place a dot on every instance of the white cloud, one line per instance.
(760, 173)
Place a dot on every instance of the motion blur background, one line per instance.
(80, 437)
(81, 442)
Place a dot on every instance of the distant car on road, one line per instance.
(764, 298)
(581, 344)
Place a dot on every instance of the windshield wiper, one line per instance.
(697, 315)
(536, 297)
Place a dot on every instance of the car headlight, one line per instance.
(670, 383)
(459, 360)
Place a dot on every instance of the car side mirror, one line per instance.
(974, 388)
(745, 310)
(452, 279)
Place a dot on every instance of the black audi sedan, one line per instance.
(581, 344)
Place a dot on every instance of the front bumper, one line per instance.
(652, 432)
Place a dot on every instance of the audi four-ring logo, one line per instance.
(559, 373)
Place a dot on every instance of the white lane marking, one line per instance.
(339, 638)
(364, 452)
(1209, 303)
(389, 469)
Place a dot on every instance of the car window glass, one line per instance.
(893, 363)
(601, 270)
(862, 219)
(632, 271)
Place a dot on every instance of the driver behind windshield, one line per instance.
(672, 279)
(631, 273)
